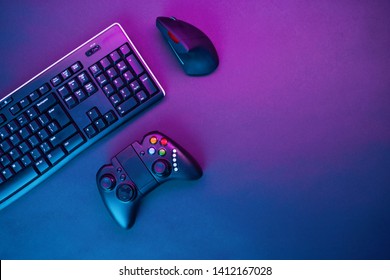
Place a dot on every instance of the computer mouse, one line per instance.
(194, 50)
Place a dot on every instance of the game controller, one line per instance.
(139, 169)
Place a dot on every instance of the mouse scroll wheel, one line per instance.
(173, 37)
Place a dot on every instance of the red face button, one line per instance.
(153, 140)
(164, 141)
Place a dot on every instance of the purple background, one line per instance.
(292, 131)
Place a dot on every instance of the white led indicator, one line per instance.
(176, 169)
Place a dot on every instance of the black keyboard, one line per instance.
(69, 106)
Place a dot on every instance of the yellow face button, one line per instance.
(162, 152)
(153, 140)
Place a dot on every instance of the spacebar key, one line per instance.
(17, 182)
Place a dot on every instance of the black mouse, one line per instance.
(194, 50)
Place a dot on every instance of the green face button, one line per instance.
(162, 152)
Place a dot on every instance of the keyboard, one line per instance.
(69, 106)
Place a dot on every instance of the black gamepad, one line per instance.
(139, 169)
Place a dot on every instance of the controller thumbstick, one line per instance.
(125, 192)
(107, 182)
(161, 168)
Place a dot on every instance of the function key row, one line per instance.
(14, 109)
(77, 89)
(66, 74)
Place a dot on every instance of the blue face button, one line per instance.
(151, 151)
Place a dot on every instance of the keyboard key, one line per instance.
(46, 103)
(43, 119)
(73, 85)
(15, 154)
(13, 126)
(14, 109)
(73, 142)
(24, 102)
(16, 167)
(42, 165)
(65, 74)
(26, 160)
(5, 146)
(33, 140)
(108, 90)
(118, 83)
(95, 70)
(34, 96)
(34, 126)
(18, 181)
(53, 128)
(80, 95)
(62, 135)
(83, 78)
(32, 113)
(90, 131)
(105, 62)
(5, 102)
(63, 91)
(115, 56)
(4, 133)
(7, 173)
(58, 114)
(24, 133)
(125, 93)
(148, 84)
(112, 73)
(121, 66)
(70, 101)
(99, 124)
(135, 86)
(45, 147)
(35, 154)
(15, 139)
(56, 81)
(76, 67)
(56, 155)
(24, 148)
(22, 120)
(126, 106)
(102, 80)
(125, 50)
(128, 76)
(5, 160)
(90, 88)
(115, 99)
(93, 114)
(43, 134)
(44, 88)
(135, 65)
(110, 117)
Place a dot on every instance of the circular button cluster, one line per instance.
(125, 192)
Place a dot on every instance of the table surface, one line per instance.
(292, 131)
